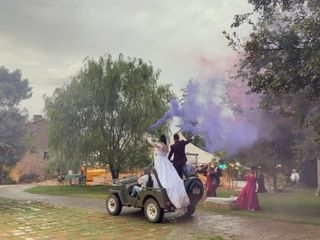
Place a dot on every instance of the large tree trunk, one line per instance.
(275, 181)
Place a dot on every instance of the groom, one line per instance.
(178, 151)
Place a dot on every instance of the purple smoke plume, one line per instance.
(205, 113)
(174, 110)
(213, 120)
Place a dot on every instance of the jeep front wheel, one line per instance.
(152, 211)
(113, 205)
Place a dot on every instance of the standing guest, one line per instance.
(203, 169)
(218, 174)
(83, 176)
(294, 177)
(209, 181)
(60, 179)
(261, 183)
(216, 178)
(248, 198)
(70, 178)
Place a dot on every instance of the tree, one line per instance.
(306, 152)
(280, 61)
(273, 151)
(281, 56)
(268, 6)
(13, 89)
(103, 113)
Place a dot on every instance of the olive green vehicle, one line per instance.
(154, 201)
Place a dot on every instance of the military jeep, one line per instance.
(153, 201)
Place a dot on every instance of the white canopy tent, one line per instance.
(196, 155)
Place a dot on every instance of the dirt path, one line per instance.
(229, 227)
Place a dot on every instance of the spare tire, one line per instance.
(194, 189)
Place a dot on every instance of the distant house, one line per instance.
(34, 160)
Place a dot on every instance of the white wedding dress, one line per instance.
(169, 177)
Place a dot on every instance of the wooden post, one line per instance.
(318, 163)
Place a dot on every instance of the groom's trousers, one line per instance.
(179, 169)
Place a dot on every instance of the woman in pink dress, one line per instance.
(248, 198)
(209, 182)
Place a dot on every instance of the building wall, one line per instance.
(34, 161)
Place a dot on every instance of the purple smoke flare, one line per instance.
(203, 107)
(173, 111)
(205, 113)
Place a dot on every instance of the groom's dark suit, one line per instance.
(179, 156)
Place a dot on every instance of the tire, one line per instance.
(190, 211)
(113, 205)
(195, 191)
(152, 211)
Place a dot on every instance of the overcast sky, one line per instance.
(48, 40)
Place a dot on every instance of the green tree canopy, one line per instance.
(105, 110)
(13, 89)
(273, 149)
(280, 58)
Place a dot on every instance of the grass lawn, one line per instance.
(98, 192)
(297, 205)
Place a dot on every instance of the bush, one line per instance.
(8, 180)
(55, 168)
(29, 178)
(308, 174)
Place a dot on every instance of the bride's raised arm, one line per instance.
(153, 144)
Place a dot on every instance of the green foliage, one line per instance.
(283, 142)
(273, 151)
(6, 177)
(197, 140)
(103, 113)
(223, 155)
(58, 167)
(280, 59)
(306, 151)
(267, 6)
(29, 178)
(308, 173)
(13, 89)
(280, 62)
(282, 55)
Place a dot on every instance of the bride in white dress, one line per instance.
(168, 175)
